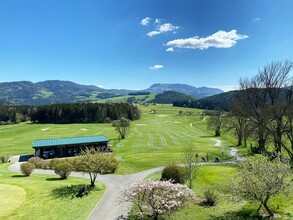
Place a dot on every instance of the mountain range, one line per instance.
(56, 91)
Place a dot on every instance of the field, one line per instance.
(44, 197)
(154, 140)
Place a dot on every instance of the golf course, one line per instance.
(157, 139)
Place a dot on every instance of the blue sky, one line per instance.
(132, 44)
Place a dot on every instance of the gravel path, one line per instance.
(110, 207)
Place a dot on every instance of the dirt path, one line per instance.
(110, 207)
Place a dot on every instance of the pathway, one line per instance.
(110, 207)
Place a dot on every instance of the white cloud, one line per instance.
(170, 49)
(220, 39)
(156, 67)
(153, 33)
(162, 29)
(101, 86)
(256, 19)
(167, 27)
(157, 21)
(145, 21)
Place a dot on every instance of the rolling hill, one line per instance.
(199, 92)
(57, 91)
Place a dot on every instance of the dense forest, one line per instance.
(169, 97)
(69, 113)
(220, 101)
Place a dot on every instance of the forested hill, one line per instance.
(220, 101)
(169, 97)
(47, 92)
(56, 91)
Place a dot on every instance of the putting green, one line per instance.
(11, 197)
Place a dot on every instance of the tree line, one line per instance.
(262, 111)
(69, 113)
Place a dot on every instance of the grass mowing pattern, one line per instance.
(154, 140)
(44, 197)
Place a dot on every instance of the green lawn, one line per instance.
(216, 176)
(44, 197)
(154, 140)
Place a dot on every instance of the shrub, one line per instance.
(75, 163)
(53, 163)
(211, 196)
(4, 158)
(37, 161)
(27, 168)
(174, 173)
(156, 198)
(63, 169)
(45, 164)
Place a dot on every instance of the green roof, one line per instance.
(68, 141)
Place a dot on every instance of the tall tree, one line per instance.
(268, 97)
(238, 121)
(122, 126)
(215, 122)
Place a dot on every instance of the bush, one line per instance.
(27, 168)
(37, 161)
(63, 169)
(174, 173)
(4, 158)
(45, 164)
(211, 196)
(53, 163)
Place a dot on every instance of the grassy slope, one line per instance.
(33, 197)
(139, 98)
(215, 177)
(154, 140)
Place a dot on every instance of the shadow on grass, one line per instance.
(54, 179)
(73, 191)
(19, 175)
(238, 215)
(208, 136)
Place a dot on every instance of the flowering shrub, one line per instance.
(156, 198)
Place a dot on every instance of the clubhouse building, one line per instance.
(68, 147)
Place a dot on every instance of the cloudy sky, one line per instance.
(133, 44)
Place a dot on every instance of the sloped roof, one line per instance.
(68, 141)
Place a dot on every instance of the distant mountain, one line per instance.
(199, 92)
(57, 91)
(169, 97)
(47, 92)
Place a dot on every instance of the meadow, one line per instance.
(154, 140)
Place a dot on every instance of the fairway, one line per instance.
(154, 140)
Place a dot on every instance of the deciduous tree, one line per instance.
(122, 126)
(94, 162)
(189, 161)
(259, 179)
